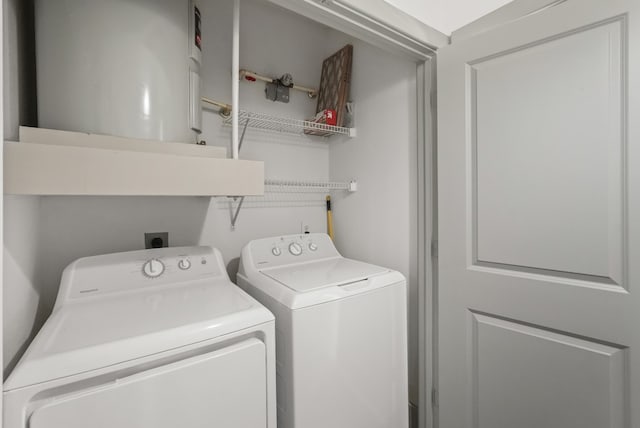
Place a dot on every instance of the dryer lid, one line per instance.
(319, 274)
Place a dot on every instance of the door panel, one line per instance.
(545, 368)
(539, 201)
(544, 125)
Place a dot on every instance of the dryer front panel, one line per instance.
(225, 388)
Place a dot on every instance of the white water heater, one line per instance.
(129, 68)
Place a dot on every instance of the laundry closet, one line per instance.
(518, 236)
(374, 171)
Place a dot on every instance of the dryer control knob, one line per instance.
(153, 268)
(276, 251)
(313, 247)
(295, 248)
(184, 264)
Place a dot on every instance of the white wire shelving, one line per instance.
(272, 123)
(286, 194)
(297, 186)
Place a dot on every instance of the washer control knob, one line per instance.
(276, 251)
(184, 264)
(153, 268)
(295, 248)
(313, 247)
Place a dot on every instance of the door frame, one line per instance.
(427, 248)
(1, 194)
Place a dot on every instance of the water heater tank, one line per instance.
(128, 68)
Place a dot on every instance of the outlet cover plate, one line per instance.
(150, 236)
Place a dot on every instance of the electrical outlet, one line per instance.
(156, 240)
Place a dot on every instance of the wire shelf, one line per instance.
(286, 193)
(275, 200)
(296, 186)
(287, 125)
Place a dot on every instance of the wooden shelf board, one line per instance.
(52, 169)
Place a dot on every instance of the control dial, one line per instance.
(276, 251)
(184, 264)
(153, 268)
(295, 248)
(313, 247)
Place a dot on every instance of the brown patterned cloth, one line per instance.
(334, 85)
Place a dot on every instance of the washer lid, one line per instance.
(97, 333)
(315, 275)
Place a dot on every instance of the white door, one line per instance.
(539, 221)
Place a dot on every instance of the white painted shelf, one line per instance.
(268, 122)
(49, 162)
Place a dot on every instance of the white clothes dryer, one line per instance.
(148, 339)
(341, 333)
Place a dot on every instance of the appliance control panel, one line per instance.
(111, 273)
(288, 249)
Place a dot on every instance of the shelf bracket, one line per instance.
(234, 214)
(244, 131)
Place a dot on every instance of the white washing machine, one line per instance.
(341, 333)
(148, 339)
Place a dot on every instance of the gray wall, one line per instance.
(20, 213)
(378, 223)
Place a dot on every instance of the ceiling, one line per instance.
(447, 15)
